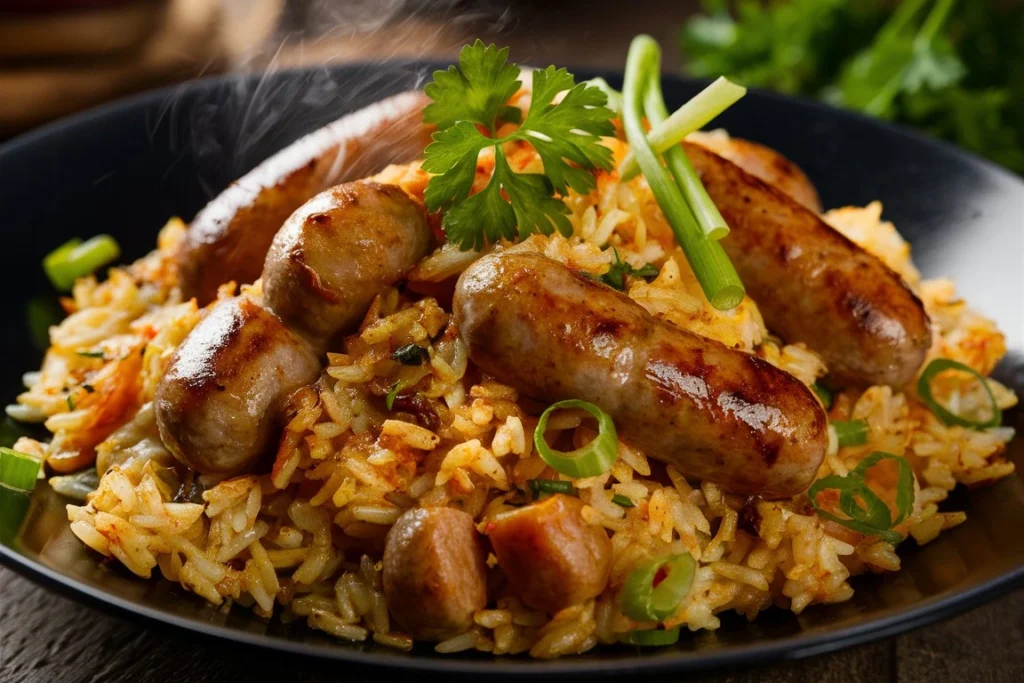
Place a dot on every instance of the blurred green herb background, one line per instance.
(953, 69)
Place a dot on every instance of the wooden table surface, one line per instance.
(45, 637)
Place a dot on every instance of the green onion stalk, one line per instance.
(707, 258)
(692, 116)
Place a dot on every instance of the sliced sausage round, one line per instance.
(550, 554)
(435, 577)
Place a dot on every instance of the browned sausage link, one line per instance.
(226, 430)
(768, 165)
(713, 412)
(218, 404)
(228, 239)
(550, 555)
(336, 252)
(434, 572)
(812, 284)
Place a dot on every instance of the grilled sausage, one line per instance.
(434, 572)
(550, 555)
(338, 251)
(713, 412)
(229, 238)
(764, 163)
(219, 403)
(814, 285)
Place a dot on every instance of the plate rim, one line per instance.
(890, 622)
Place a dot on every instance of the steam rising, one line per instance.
(234, 125)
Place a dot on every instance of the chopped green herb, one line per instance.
(865, 511)
(566, 136)
(851, 432)
(91, 354)
(389, 400)
(824, 394)
(70, 400)
(622, 500)
(616, 275)
(541, 486)
(411, 354)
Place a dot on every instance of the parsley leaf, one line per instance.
(616, 275)
(469, 102)
(953, 69)
(475, 91)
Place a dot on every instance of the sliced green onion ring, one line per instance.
(655, 637)
(18, 470)
(851, 432)
(949, 418)
(641, 600)
(75, 259)
(874, 518)
(597, 457)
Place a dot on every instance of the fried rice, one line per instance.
(303, 539)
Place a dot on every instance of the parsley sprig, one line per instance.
(470, 102)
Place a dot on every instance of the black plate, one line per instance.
(125, 168)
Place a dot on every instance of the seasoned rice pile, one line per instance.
(304, 539)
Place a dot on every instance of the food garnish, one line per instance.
(596, 457)
(851, 432)
(924, 390)
(616, 275)
(655, 590)
(710, 264)
(469, 105)
(18, 471)
(874, 518)
(75, 259)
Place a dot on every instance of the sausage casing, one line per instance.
(219, 403)
(814, 285)
(764, 163)
(713, 412)
(434, 572)
(338, 251)
(228, 239)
